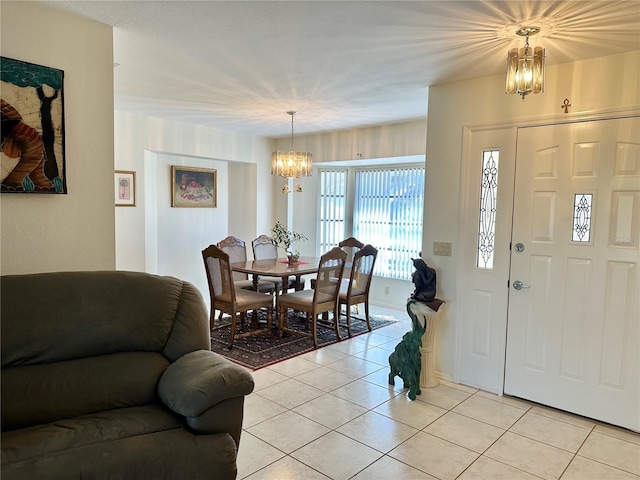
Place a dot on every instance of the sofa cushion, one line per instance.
(139, 442)
(43, 393)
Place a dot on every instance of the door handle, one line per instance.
(518, 285)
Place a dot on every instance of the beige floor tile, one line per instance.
(325, 378)
(513, 401)
(612, 451)
(377, 431)
(375, 355)
(288, 431)
(459, 386)
(390, 346)
(396, 331)
(434, 456)
(287, 468)
(330, 410)
(413, 413)
(443, 396)
(550, 431)
(582, 468)
(529, 455)
(465, 431)
(494, 413)
(373, 339)
(355, 366)
(294, 367)
(337, 456)
(365, 394)
(266, 377)
(576, 420)
(348, 347)
(255, 454)
(388, 468)
(258, 409)
(323, 356)
(488, 469)
(620, 433)
(381, 378)
(290, 393)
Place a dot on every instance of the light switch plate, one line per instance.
(442, 248)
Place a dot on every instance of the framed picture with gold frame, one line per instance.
(125, 188)
(193, 187)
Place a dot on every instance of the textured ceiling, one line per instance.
(240, 65)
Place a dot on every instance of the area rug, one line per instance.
(262, 350)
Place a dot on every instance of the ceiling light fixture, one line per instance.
(291, 163)
(525, 67)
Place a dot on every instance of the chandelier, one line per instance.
(525, 67)
(291, 163)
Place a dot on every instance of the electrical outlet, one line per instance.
(442, 248)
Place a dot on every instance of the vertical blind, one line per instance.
(332, 204)
(388, 214)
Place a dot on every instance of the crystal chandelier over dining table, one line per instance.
(291, 163)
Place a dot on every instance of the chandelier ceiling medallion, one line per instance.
(291, 163)
(525, 67)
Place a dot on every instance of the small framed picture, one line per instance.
(193, 187)
(125, 188)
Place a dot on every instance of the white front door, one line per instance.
(573, 336)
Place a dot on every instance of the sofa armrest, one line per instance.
(202, 379)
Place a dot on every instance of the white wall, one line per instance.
(381, 141)
(156, 238)
(182, 233)
(43, 233)
(593, 87)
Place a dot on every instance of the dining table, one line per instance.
(277, 267)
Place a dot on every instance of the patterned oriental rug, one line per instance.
(262, 350)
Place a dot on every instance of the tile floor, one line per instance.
(331, 414)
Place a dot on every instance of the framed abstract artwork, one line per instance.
(193, 187)
(125, 188)
(33, 153)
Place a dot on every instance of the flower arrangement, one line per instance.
(284, 238)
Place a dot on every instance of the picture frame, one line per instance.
(193, 187)
(32, 102)
(125, 188)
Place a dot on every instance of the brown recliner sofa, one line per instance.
(110, 375)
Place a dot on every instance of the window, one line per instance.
(581, 231)
(333, 191)
(487, 213)
(387, 211)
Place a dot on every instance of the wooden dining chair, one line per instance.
(264, 249)
(355, 290)
(350, 245)
(226, 298)
(237, 251)
(324, 298)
